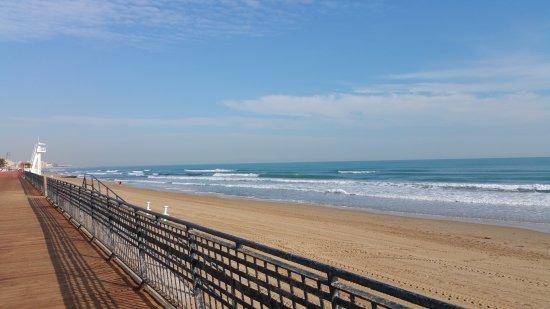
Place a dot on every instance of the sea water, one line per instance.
(512, 191)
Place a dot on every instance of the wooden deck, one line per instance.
(46, 262)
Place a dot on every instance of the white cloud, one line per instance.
(480, 95)
(483, 70)
(450, 98)
(136, 21)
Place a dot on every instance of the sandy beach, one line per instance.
(474, 265)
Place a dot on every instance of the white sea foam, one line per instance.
(111, 171)
(136, 173)
(141, 181)
(384, 189)
(217, 170)
(188, 183)
(235, 175)
(339, 191)
(487, 186)
(356, 172)
(249, 178)
(168, 177)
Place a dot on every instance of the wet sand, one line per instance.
(474, 265)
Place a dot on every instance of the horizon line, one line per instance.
(328, 161)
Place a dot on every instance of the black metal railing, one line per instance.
(36, 180)
(91, 182)
(192, 266)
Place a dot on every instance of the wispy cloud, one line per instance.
(512, 96)
(189, 122)
(135, 21)
(492, 70)
(483, 94)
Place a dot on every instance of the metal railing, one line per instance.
(192, 266)
(36, 180)
(91, 182)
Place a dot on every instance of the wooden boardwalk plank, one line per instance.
(46, 262)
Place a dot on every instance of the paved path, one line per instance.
(46, 262)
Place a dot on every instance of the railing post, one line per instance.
(92, 214)
(78, 209)
(54, 194)
(56, 199)
(140, 233)
(111, 236)
(45, 186)
(334, 293)
(79, 193)
(194, 258)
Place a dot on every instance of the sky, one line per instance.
(139, 82)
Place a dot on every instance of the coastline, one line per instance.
(542, 227)
(471, 264)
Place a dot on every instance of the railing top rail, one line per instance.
(92, 179)
(332, 272)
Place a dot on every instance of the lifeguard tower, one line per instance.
(36, 159)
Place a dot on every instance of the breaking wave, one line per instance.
(540, 188)
(235, 175)
(216, 170)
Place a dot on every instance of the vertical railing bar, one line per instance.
(199, 297)
(140, 234)
(334, 293)
(111, 234)
(92, 214)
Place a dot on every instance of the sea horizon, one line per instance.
(504, 191)
(297, 161)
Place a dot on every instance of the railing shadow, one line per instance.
(79, 282)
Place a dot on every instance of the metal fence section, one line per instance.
(36, 180)
(192, 266)
(91, 182)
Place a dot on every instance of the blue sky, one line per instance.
(162, 82)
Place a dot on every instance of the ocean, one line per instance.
(511, 191)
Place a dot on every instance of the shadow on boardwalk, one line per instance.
(86, 279)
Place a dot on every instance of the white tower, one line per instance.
(36, 160)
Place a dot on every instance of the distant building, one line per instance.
(24, 165)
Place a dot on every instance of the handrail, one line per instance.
(90, 181)
(193, 266)
(36, 180)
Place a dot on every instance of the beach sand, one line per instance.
(473, 265)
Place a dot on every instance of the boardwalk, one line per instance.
(46, 262)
